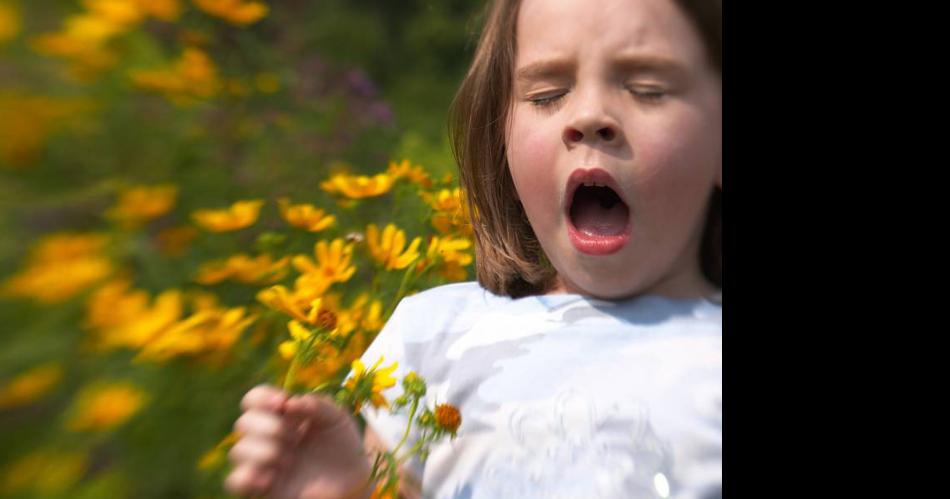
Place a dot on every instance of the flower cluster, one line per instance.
(179, 224)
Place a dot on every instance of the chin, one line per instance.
(602, 284)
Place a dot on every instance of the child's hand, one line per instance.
(296, 447)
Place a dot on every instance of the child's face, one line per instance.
(617, 92)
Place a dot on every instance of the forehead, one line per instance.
(585, 29)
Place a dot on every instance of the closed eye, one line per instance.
(546, 100)
(647, 93)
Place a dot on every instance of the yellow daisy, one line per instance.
(240, 215)
(332, 261)
(304, 216)
(358, 186)
(388, 249)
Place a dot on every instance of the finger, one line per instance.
(266, 425)
(248, 479)
(265, 397)
(258, 451)
(317, 410)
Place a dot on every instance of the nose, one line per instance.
(591, 123)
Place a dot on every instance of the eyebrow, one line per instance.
(632, 63)
(625, 63)
(544, 68)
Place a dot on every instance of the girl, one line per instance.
(587, 360)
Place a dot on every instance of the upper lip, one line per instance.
(596, 176)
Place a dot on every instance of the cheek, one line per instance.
(531, 160)
(679, 161)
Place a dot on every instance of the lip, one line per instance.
(586, 243)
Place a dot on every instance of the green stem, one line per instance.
(415, 448)
(404, 285)
(291, 373)
(412, 414)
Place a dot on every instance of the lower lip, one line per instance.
(597, 245)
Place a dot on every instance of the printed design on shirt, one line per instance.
(566, 447)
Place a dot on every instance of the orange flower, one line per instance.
(448, 417)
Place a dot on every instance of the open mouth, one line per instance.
(599, 217)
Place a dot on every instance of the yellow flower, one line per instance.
(61, 246)
(240, 215)
(54, 282)
(60, 266)
(47, 471)
(293, 304)
(449, 250)
(193, 75)
(305, 216)
(450, 211)
(105, 405)
(445, 253)
(140, 204)
(375, 380)
(238, 12)
(37, 118)
(358, 186)
(9, 22)
(416, 174)
(114, 304)
(388, 249)
(30, 385)
(209, 330)
(373, 321)
(138, 326)
(300, 335)
(333, 261)
(115, 12)
(360, 314)
(166, 10)
(243, 268)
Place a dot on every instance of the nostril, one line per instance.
(606, 134)
(574, 135)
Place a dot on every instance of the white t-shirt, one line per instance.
(562, 395)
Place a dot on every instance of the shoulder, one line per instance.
(457, 297)
(443, 308)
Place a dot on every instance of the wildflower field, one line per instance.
(199, 196)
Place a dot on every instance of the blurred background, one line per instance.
(164, 161)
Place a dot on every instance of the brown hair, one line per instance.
(508, 257)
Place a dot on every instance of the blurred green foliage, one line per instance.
(311, 89)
